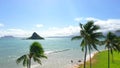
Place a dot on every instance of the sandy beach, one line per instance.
(87, 59)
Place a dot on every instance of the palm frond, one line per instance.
(117, 47)
(26, 61)
(111, 50)
(97, 35)
(76, 38)
(21, 59)
(95, 27)
(81, 26)
(95, 47)
(44, 56)
(36, 59)
(88, 25)
(36, 48)
(83, 44)
(82, 48)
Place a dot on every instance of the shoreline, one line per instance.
(87, 59)
(76, 64)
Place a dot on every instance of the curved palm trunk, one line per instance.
(90, 56)
(85, 56)
(29, 63)
(108, 57)
(112, 58)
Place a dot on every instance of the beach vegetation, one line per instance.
(112, 44)
(36, 52)
(89, 38)
(100, 60)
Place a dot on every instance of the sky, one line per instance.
(21, 18)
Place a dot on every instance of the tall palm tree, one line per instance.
(36, 52)
(90, 38)
(118, 40)
(111, 43)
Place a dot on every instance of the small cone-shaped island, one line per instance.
(36, 36)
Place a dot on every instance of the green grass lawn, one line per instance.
(100, 60)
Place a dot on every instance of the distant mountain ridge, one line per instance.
(69, 36)
(117, 32)
(7, 37)
(36, 36)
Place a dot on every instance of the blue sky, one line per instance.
(47, 17)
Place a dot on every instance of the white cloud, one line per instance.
(106, 25)
(78, 19)
(1, 25)
(109, 25)
(39, 25)
(66, 31)
(91, 18)
(53, 31)
(15, 32)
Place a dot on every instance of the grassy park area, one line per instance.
(100, 60)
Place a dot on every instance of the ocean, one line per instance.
(60, 52)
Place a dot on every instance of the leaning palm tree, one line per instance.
(111, 43)
(36, 52)
(115, 47)
(90, 38)
(118, 40)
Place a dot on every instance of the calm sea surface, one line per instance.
(60, 52)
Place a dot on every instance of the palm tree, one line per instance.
(36, 52)
(111, 43)
(118, 40)
(90, 38)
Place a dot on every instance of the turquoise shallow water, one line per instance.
(60, 52)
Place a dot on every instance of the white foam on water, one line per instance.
(56, 51)
(48, 52)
